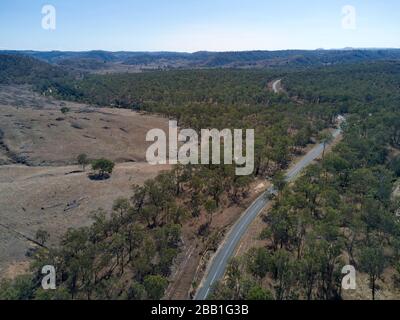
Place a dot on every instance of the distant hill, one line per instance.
(97, 61)
(20, 69)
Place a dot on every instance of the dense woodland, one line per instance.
(342, 210)
(19, 69)
(341, 206)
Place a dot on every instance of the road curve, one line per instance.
(217, 266)
(276, 86)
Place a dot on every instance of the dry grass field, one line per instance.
(41, 187)
(36, 132)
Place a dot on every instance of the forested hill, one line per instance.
(20, 69)
(117, 61)
(374, 83)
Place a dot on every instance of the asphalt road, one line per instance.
(217, 266)
(276, 86)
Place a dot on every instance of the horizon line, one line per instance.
(205, 51)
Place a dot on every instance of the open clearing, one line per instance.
(41, 187)
(35, 132)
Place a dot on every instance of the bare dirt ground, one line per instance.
(40, 185)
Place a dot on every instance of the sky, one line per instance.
(195, 25)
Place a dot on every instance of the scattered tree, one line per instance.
(65, 110)
(83, 160)
(42, 236)
(372, 261)
(103, 167)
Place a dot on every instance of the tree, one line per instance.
(83, 160)
(280, 152)
(121, 206)
(279, 181)
(21, 288)
(309, 267)
(238, 188)
(57, 295)
(64, 110)
(233, 276)
(42, 236)
(372, 261)
(325, 138)
(103, 167)
(395, 166)
(302, 137)
(136, 291)
(258, 262)
(168, 236)
(258, 293)
(396, 276)
(155, 286)
(284, 273)
(211, 207)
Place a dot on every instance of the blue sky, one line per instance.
(193, 25)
